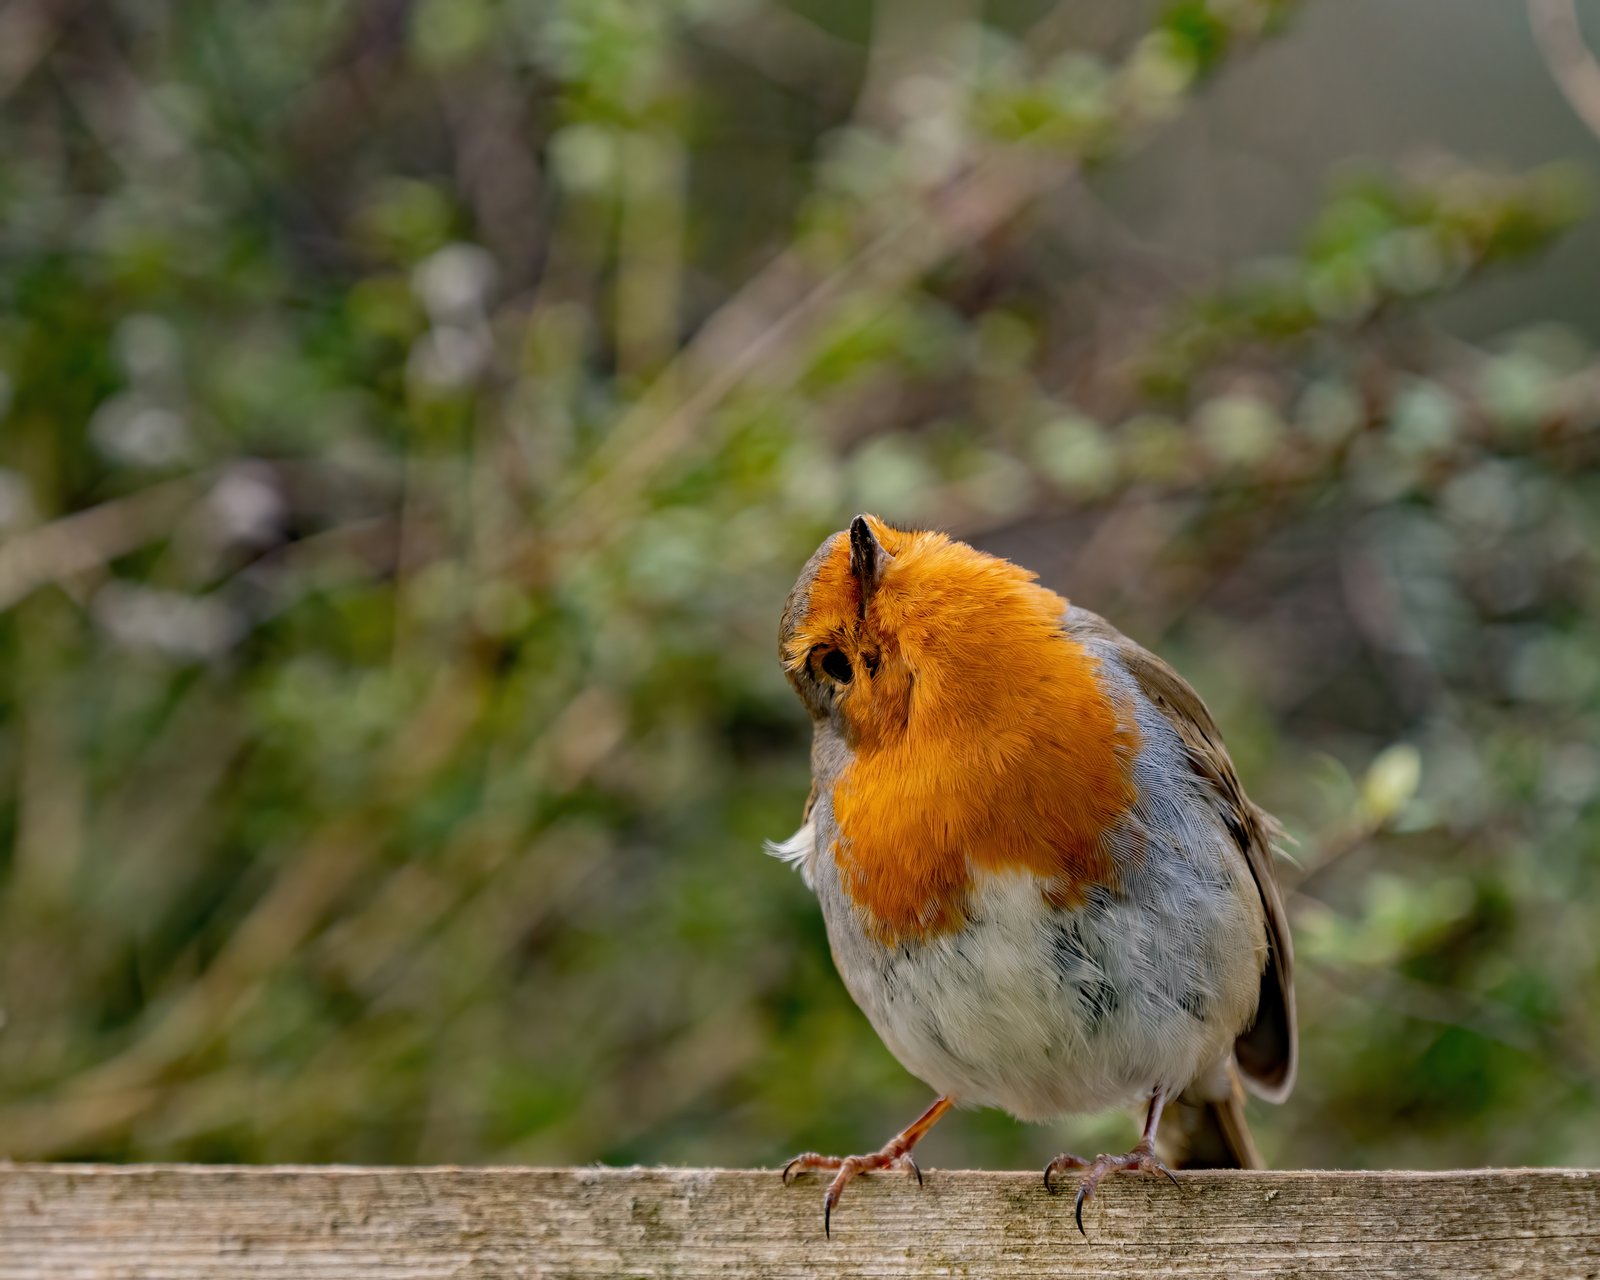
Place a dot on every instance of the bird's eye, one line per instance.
(836, 666)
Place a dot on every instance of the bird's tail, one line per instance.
(1206, 1128)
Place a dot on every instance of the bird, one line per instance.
(1040, 877)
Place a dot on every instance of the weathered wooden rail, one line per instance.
(185, 1222)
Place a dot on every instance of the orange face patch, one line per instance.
(983, 737)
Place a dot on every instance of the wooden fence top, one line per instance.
(185, 1222)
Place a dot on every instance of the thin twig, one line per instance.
(88, 540)
(1571, 65)
(27, 35)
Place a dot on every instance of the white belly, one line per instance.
(1044, 1012)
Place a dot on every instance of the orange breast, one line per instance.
(1013, 757)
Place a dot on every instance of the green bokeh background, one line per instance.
(412, 416)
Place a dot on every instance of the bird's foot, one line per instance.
(894, 1155)
(1142, 1159)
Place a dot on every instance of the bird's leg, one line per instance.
(896, 1153)
(1142, 1159)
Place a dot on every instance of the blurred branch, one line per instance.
(1379, 249)
(766, 324)
(912, 41)
(1385, 986)
(1398, 651)
(1369, 984)
(764, 328)
(91, 539)
(498, 175)
(651, 222)
(114, 1092)
(784, 46)
(27, 34)
(1108, 236)
(1572, 66)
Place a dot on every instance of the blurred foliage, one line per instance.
(413, 413)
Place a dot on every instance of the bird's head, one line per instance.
(891, 631)
(949, 706)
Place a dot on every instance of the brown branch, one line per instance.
(89, 540)
(1571, 65)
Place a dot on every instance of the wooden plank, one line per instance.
(187, 1222)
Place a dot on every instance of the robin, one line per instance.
(1041, 879)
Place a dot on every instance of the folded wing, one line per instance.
(1266, 1050)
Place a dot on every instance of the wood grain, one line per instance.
(187, 1222)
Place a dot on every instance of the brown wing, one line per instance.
(1267, 1049)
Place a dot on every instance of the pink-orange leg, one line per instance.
(1142, 1159)
(896, 1153)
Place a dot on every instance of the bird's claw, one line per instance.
(807, 1156)
(1066, 1160)
(1140, 1160)
(847, 1167)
